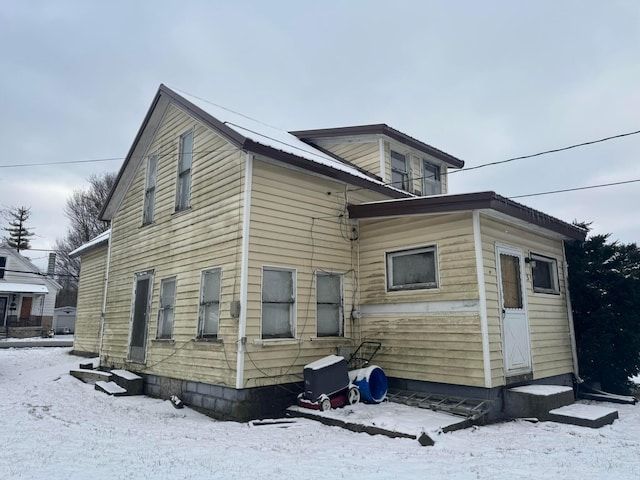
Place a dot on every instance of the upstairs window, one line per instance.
(209, 315)
(412, 269)
(329, 305)
(399, 171)
(544, 272)
(150, 189)
(431, 184)
(185, 158)
(3, 264)
(278, 303)
(167, 308)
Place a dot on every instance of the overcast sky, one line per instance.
(484, 81)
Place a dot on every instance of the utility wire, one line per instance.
(555, 150)
(575, 189)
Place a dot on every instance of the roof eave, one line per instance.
(468, 202)
(380, 129)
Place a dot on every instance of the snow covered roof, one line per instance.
(246, 134)
(22, 288)
(92, 244)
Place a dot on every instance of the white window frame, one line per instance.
(184, 174)
(203, 304)
(406, 182)
(163, 309)
(534, 260)
(340, 332)
(390, 256)
(292, 304)
(150, 189)
(431, 183)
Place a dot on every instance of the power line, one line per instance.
(576, 188)
(16, 165)
(555, 150)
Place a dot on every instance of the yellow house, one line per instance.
(238, 253)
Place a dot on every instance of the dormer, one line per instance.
(390, 155)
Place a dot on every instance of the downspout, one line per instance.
(574, 350)
(104, 298)
(383, 173)
(244, 271)
(482, 297)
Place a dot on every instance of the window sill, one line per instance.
(204, 340)
(330, 339)
(264, 342)
(163, 341)
(181, 211)
(148, 224)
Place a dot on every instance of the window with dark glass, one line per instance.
(185, 158)
(399, 171)
(544, 272)
(431, 184)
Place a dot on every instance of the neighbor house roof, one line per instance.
(465, 202)
(246, 134)
(380, 129)
(23, 288)
(93, 244)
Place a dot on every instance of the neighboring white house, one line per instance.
(27, 295)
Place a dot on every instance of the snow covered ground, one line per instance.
(55, 427)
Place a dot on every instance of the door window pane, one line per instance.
(511, 283)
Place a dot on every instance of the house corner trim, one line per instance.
(244, 270)
(106, 287)
(482, 294)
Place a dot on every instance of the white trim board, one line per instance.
(422, 308)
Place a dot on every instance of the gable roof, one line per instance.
(380, 129)
(246, 134)
(28, 266)
(465, 202)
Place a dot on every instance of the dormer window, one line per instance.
(431, 184)
(3, 264)
(399, 171)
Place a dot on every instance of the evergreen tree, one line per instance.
(18, 233)
(604, 281)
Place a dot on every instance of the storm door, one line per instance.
(515, 323)
(140, 317)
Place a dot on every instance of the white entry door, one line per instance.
(513, 307)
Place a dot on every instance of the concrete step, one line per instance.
(91, 376)
(592, 416)
(110, 388)
(536, 400)
(132, 383)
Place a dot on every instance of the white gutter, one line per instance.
(574, 350)
(482, 293)
(106, 284)
(244, 271)
(383, 174)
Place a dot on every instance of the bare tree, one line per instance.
(83, 211)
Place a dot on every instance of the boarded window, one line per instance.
(150, 189)
(278, 302)
(511, 281)
(329, 305)
(412, 269)
(544, 271)
(431, 179)
(167, 307)
(209, 316)
(399, 171)
(185, 158)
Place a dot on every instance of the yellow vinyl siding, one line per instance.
(90, 297)
(365, 155)
(206, 235)
(548, 318)
(295, 224)
(439, 346)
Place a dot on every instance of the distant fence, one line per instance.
(30, 321)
